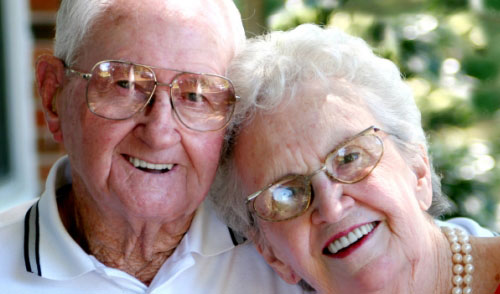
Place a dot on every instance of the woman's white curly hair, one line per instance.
(271, 69)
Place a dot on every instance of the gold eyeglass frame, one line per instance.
(88, 76)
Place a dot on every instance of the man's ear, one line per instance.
(281, 268)
(49, 80)
(422, 170)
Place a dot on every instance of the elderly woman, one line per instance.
(136, 94)
(328, 173)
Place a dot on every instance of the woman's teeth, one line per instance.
(351, 238)
(154, 166)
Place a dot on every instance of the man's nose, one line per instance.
(330, 204)
(158, 127)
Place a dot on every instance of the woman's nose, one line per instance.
(330, 204)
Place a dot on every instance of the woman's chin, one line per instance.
(375, 279)
(378, 275)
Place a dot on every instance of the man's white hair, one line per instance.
(76, 18)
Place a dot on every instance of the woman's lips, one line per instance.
(342, 246)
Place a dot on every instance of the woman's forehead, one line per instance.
(310, 115)
(297, 137)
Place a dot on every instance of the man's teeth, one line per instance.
(156, 166)
(352, 237)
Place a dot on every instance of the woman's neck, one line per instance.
(486, 255)
(486, 260)
(434, 275)
(136, 246)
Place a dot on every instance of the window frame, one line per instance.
(21, 181)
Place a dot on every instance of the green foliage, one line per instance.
(480, 67)
(487, 100)
(449, 52)
(492, 4)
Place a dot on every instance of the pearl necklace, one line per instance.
(462, 260)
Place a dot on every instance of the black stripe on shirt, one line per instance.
(235, 237)
(37, 241)
(26, 242)
(32, 240)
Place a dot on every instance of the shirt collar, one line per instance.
(208, 235)
(52, 253)
(49, 250)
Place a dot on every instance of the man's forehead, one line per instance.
(218, 18)
(195, 10)
(156, 18)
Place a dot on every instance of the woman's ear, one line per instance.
(49, 79)
(281, 268)
(422, 169)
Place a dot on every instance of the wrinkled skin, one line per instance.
(403, 248)
(129, 218)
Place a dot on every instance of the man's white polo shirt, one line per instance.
(37, 255)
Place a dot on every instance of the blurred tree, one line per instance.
(449, 53)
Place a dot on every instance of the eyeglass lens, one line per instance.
(291, 196)
(118, 90)
(202, 102)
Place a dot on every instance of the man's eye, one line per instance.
(194, 97)
(124, 84)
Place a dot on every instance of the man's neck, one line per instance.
(135, 246)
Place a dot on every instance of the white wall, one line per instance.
(22, 183)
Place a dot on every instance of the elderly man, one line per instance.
(135, 93)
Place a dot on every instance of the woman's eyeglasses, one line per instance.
(348, 163)
(117, 90)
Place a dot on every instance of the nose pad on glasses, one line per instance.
(159, 109)
(329, 204)
(151, 101)
(157, 127)
(155, 99)
(148, 108)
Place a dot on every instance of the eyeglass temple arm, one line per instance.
(86, 76)
(254, 195)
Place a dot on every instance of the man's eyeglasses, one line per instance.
(348, 163)
(118, 89)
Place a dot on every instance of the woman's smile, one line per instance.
(345, 243)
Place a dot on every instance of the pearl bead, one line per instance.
(461, 259)
(458, 280)
(463, 239)
(469, 268)
(467, 259)
(466, 248)
(457, 258)
(446, 230)
(452, 238)
(458, 269)
(456, 248)
(468, 279)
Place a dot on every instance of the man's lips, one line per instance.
(149, 166)
(341, 246)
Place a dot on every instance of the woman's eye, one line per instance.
(348, 158)
(283, 194)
